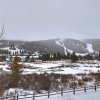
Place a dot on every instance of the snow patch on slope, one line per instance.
(90, 48)
(61, 43)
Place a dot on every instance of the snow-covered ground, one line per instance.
(90, 95)
(58, 67)
(61, 43)
(90, 48)
(10, 93)
(79, 95)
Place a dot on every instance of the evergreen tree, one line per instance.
(88, 57)
(73, 57)
(99, 54)
(27, 58)
(58, 56)
(32, 60)
(54, 56)
(45, 57)
(15, 73)
(68, 55)
(2, 58)
(9, 52)
(48, 56)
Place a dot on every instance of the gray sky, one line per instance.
(46, 19)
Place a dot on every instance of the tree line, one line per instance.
(70, 56)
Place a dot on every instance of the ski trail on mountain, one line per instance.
(90, 48)
(61, 43)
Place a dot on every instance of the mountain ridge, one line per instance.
(52, 46)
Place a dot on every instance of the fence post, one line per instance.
(14, 97)
(17, 96)
(95, 88)
(33, 96)
(48, 94)
(73, 90)
(2, 98)
(84, 89)
(61, 91)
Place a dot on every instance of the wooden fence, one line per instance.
(62, 91)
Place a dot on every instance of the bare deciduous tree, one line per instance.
(2, 31)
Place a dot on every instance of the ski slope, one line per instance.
(90, 48)
(61, 43)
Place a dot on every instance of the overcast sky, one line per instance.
(47, 19)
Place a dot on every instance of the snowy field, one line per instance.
(81, 95)
(58, 67)
(90, 95)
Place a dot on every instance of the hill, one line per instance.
(56, 45)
